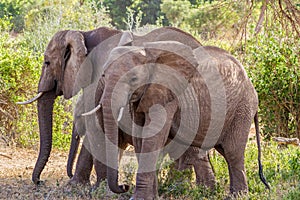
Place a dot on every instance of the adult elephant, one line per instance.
(202, 97)
(62, 59)
(62, 75)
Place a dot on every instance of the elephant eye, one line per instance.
(133, 79)
(47, 63)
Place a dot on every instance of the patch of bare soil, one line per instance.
(16, 166)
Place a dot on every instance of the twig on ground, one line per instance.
(6, 156)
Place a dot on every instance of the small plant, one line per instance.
(128, 171)
(294, 193)
(294, 164)
(174, 183)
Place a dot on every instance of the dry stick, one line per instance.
(5, 156)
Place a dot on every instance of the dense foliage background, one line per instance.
(263, 35)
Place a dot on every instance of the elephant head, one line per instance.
(62, 59)
(65, 53)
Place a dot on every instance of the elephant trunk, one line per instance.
(45, 111)
(73, 151)
(111, 142)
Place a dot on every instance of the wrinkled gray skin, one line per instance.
(239, 100)
(191, 158)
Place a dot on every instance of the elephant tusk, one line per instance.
(31, 100)
(92, 111)
(120, 114)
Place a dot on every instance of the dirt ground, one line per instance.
(16, 166)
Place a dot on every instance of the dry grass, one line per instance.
(16, 166)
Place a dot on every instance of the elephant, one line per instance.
(199, 97)
(62, 74)
(191, 158)
(64, 54)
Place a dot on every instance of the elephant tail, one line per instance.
(261, 175)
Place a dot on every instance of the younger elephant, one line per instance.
(191, 158)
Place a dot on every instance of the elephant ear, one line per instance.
(126, 39)
(92, 68)
(75, 54)
(155, 94)
(172, 56)
(173, 65)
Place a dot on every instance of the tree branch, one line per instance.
(261, 17)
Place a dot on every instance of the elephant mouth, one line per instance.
(137, 94)
(134, 98)
(41, 93)
(55, 87)
(58, 90)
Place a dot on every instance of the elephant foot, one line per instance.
(210, 184)
(77, 181)
(134, 198)
(237, 195)
(97, 184)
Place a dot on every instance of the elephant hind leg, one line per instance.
(235, 162)
(233, 149)
(238, 181)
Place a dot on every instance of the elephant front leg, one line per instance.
(152, 139)
(100, 169)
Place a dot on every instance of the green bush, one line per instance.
(21, 59)
(18, 75)
(14, 11)
(210, 19)
(173, 182)
(273, 64)
(44, 20)
(123, 13)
